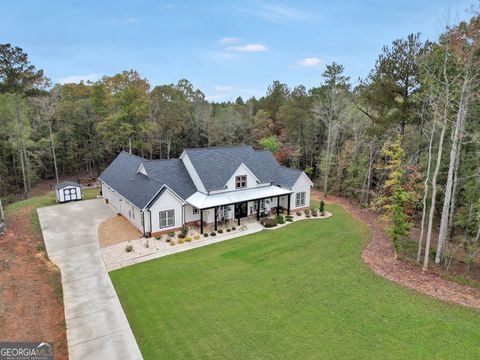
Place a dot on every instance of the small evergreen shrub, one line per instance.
(299, 213)
(228, 230)
(315, 213)
(234, 228)
(307, 212)
(168, 239)
(205, 235)
(213, 233)
(159, 237)
(171, 233)
(280, 219)
(182, 236)
(184, 230)
(322, 208)
(129, 248)
(220, 231)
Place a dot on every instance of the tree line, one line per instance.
(405, 139)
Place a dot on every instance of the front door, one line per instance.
(241, 210)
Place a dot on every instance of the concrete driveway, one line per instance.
(97, 327)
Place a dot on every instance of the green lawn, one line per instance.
(301, 292)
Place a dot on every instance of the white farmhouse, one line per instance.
(203, 186)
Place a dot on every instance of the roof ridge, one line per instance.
(220, 147)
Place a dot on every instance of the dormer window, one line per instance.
(241, 182)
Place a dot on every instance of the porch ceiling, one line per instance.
(203, 201)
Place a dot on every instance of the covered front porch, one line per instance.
(254, 203)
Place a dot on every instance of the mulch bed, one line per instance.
(379, 256)
(31, 305)
(116, 230)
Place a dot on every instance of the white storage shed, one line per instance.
(68, 191)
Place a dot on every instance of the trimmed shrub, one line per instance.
(234, 228)
(268, 222)
(299, 213)
(129, 248)
(307, 215)
(168, 239)
(159, 237)
(228, 230)
(289, 219)
(181, 240)
(196, 237)
(213, 233)
(280, 219)
(322, 206)
(171, 233)
(220, 231)
(205, 235)
(184, 230)
(307, 212)
(188, 239)
(315, 213)
(182, 236)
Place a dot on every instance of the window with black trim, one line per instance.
(167, 218)
(300, 199)
(195, 210)
(241, 182)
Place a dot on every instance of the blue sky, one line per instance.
(225, 48)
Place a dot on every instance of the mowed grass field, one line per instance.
(300, 292)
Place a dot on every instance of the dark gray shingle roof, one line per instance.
(121, 175)
(65, 184)
(215, 166)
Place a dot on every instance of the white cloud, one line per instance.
(248, 48)
(78, 78)
(310, 62)
(229, 40)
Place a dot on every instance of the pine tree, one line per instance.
(395, 199)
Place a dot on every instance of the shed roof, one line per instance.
(64, 184)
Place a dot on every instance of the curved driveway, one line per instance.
(97, 327)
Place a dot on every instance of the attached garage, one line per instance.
(68, 191)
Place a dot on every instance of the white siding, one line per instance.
(123, 206)
(193, 173)
(242, 170)
(189, 215)
(303, 184)
(60, 195)
(167, 201)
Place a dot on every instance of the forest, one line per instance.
(404, 140)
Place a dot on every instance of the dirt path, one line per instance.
(31, 306)
(378, 255)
